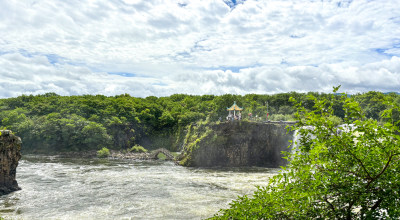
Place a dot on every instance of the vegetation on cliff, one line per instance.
(196, 133)
(348, 172)
(53, 123)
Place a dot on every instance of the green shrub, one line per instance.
(176, 154)
(281, 117)
(137, 149)
(161, 156)
(104, 152)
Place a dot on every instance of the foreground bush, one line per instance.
(347, 172)
(104, 152)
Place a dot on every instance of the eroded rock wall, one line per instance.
(237, 144)
(10, 147)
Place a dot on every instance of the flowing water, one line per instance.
(59, 188)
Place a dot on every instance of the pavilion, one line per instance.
(234, 116)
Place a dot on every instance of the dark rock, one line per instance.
(237, 144)
(10, 147)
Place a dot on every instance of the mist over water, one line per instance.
(56, 188)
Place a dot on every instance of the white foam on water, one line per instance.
(101, 189)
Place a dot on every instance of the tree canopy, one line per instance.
(50, 122)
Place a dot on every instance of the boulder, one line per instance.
(10, 147)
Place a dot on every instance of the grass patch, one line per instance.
(161, 156)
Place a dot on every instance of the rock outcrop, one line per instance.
(236, 144)
(10, 147)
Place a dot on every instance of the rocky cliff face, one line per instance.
(236, 144)
(10, 146)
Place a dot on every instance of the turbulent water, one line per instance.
(55, 188)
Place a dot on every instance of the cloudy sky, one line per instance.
(163, 47)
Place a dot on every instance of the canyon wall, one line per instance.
(237, 143)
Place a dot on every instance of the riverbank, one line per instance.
(152, 155)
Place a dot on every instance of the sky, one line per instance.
(163, 47)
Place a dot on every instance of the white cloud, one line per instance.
(382, 75)
(176, 46)
(36, 75)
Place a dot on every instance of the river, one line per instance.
(59, 188)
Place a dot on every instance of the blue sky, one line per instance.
(162, 47)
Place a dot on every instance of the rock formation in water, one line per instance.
(236, 144)
(10, 146)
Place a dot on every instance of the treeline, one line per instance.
(52, 123)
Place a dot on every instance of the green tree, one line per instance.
(10, 119)
(166, 119)
(95, 136)
(120, 131)
(335, 172)
(372, 103)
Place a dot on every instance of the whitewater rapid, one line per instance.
(57, 188)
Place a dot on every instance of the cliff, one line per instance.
(235, 144)
(10, 146)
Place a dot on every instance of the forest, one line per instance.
(51, 123)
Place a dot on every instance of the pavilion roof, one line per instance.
(234, 107)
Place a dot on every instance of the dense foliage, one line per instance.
(49, 122)
(335, 172)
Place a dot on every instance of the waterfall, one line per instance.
(295, 142)
(297, 135)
